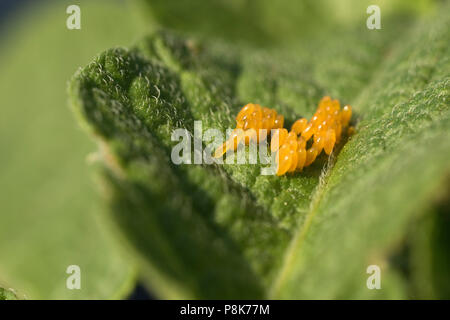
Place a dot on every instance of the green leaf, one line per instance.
(208, 231)
(49, 211)
(429, 254)
(6, 294)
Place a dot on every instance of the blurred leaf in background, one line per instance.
(269, 23)
(429, 252)
(7, 294)
(48, 202)
(228, 232)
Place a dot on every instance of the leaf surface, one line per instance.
(225, 231)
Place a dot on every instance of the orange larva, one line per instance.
(291, 153)
(232, 143)
(311, 155)
(250, 119)
(284, 159)
(299, 126)
(308, 132)
(301, 142)
(325, 127)
(329, 141)
(346, 114)
(279, 122)
(278, 138)
(301, 158)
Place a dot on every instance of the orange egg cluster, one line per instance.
(325, 127)
(249, 121)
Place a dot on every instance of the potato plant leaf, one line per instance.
(6, 294)
(225, 231)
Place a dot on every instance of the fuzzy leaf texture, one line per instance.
(225, 231)
(6, 294)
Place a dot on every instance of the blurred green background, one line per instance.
(48, 200)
